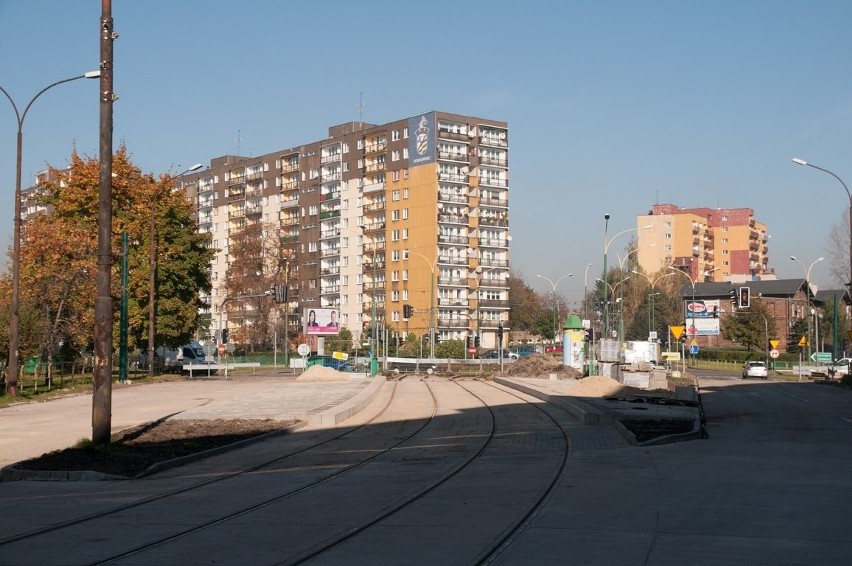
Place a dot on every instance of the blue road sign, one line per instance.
(693, 349)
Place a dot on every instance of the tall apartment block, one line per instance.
(724, 244)
(375, 217)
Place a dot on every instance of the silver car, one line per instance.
(755, 369)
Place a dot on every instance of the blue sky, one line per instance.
(612, 105)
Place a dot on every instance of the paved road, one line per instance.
(769, 486)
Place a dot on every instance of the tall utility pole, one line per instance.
(102, 387)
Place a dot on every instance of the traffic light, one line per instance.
(500, 333)
(745, 297)
(476, 341)
(224, 336)
(407, 311)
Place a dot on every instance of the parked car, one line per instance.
(755, 369)
(841, 366)
(523, 351)
(495, 355)
(173, 360)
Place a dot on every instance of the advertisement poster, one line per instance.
(421, 139)
(704, 315)
(322, 322)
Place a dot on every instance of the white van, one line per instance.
(191, 353)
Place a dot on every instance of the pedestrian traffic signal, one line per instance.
(745, 297)
(224, 336)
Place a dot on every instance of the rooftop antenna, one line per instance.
(361, 107)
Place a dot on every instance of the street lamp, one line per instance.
(807, 271)
(586, 293)
(798, 161)
(553, 286)
(653, 283)
(607, 243)
(14, 336)
(432, 328)
(152, 282)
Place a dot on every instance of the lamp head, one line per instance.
(798, 161)
(606, 216)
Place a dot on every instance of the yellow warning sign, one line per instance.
(677, 331)
(803, 341)
(773, 343)
(694, 342)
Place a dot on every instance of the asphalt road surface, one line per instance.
(467, 472)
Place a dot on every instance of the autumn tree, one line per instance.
(262, 256)
(750, 326)
(59, 261)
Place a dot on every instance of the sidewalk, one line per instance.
(29, 430)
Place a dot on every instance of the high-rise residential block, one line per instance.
(372, 218)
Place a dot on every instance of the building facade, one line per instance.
(726, 244)
(372, 219)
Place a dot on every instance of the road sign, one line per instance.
(304, 349)
(774, 354)
(471, 351)
(677, 331)
(670, 356)
(803, 341)
(693, 349)
(773, 343)
(694, 342)
(821, 357)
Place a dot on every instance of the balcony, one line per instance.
(375, 206)
(489, 201)
(453, 177)
(459, 156)
(374, 227)
(495, 161)
(289, 202)
(454, 198)
(493, 138)
(447, 239)
(494, 242)
(452, 281)
(452, 219)
(375, 146)
(290, 185)
(290, 166)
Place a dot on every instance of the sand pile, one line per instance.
(540, 365)
(596, 386)
(322, 373)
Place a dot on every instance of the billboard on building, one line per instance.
(704, 315)
(321, 322)
(421, 139)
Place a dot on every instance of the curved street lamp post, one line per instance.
(14, 336)
(807, 271)
(553, 285)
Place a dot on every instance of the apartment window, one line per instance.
(395, 235)
(405, 155)
(405, 133)
(395, 295)
(667, 224)
(395, 155)
(724, 240)
(405, 291)
(405, 254)
(724, 228)
(668, 247)
(394, 215)
(394, 275)
(345, 166)
(395, 255)
(405, 214)
(724, 252)
(395, 135)
(667, 236)
(395, 195)
(345, 148)
(395, 175)
(405, 190)
(405, 176)
(726, 263)
(405, 233)
(360, 144)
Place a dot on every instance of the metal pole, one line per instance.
(374, 365)
(152, 286)
(605, 329)
(102, 387)
(122, 325)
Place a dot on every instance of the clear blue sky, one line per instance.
(612, 105)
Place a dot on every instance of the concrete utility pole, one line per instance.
(102, 387)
